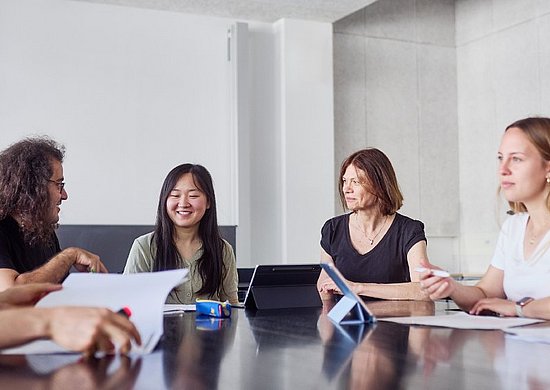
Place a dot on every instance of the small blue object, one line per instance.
(213, 308)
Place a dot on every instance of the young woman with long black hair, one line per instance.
(186, 235)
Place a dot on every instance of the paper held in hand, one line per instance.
(144, 293)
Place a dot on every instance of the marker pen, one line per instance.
(436, 272)
(125, 311)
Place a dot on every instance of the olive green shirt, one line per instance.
(141, 257)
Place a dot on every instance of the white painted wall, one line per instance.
(307, 136)
(130, 92)
(134, 92)
(291, 140)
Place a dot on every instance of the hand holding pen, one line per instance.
(437, 283)
(90, 330)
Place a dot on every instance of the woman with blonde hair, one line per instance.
(516, 282)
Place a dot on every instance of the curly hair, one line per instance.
(25, 168)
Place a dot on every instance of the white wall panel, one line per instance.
(131, 93)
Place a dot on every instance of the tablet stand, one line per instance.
(349, 311)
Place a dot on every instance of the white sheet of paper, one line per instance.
(144, 293)
(170, 308)
(463, 321)
(538, 335)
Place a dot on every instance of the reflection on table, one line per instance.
(300, 348)
(68, 371)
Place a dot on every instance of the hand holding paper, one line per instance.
(143, 293)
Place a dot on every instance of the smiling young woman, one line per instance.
(186, 235)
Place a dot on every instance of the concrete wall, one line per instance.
(503, 73)
(395, 89)
(434, 84)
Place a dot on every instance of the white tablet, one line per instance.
(350, 309)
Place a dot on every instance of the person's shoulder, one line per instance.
(145, 240)
(227, 245)
(339, 219)
(334, 224)
(405, 221)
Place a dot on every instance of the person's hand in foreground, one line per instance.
(26, 295)
(81, 329)
(91, 330)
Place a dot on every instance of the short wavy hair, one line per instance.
(25, 168)
(379, 179)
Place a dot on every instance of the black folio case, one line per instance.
(283, 287)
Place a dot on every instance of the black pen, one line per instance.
(125, 311)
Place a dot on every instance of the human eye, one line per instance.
(194, 194)
(499, 157)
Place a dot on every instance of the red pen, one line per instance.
(125, 311)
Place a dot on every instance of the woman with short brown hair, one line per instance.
(375, 248)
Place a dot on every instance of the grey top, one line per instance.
(141, 256)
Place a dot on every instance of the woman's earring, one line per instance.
(548, 179)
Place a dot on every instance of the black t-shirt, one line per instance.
(385, 263)
(18, 255)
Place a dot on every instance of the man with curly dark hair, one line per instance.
(31, 191)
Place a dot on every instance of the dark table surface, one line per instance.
(300, 349)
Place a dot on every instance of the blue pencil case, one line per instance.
(213, 308)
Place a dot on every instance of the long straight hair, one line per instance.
(210, 265)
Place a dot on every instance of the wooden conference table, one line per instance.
(300, 349)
